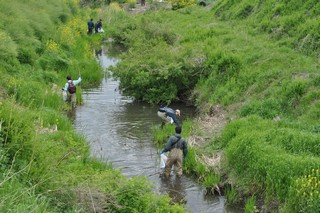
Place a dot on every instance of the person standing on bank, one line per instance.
(98, 26)
(90, 27)
(168, 116)
(70, 89)
(178, 148)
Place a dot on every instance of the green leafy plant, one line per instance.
(304, 195)
(177, 4)
(231, 195)
(250, 206)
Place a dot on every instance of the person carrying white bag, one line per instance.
(178, 148)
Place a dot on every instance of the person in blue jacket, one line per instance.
(169, 116)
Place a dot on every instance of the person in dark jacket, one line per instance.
(98, 26)
(168, 116)
(90, 26)
(178, 148)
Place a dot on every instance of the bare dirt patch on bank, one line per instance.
(210, 126)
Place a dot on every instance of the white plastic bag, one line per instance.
(100, 30)
(64, 95)
(163, 160)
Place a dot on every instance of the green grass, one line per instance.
(258, 58)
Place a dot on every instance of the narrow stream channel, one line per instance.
(119, 132)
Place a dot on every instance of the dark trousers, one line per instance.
(90, 31)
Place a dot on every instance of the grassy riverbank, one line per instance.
(253, 66)
(45, 166)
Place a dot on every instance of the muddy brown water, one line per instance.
(119, 132)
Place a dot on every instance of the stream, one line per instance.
(119, 132)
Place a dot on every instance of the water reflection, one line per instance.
(175, 188)
(98, 53)
(71, 114)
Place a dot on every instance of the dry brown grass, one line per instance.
(94, 201)
(210, 126)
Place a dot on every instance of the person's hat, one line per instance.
(178, 111)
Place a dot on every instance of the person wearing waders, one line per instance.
(178, 148)
(70, 90)
(168, 116)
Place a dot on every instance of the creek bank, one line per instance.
(123, 137)
(211, 125)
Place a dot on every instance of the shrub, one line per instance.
(131, 4)
(177, 4)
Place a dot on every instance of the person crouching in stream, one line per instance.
(178, 148)
(168, 116)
